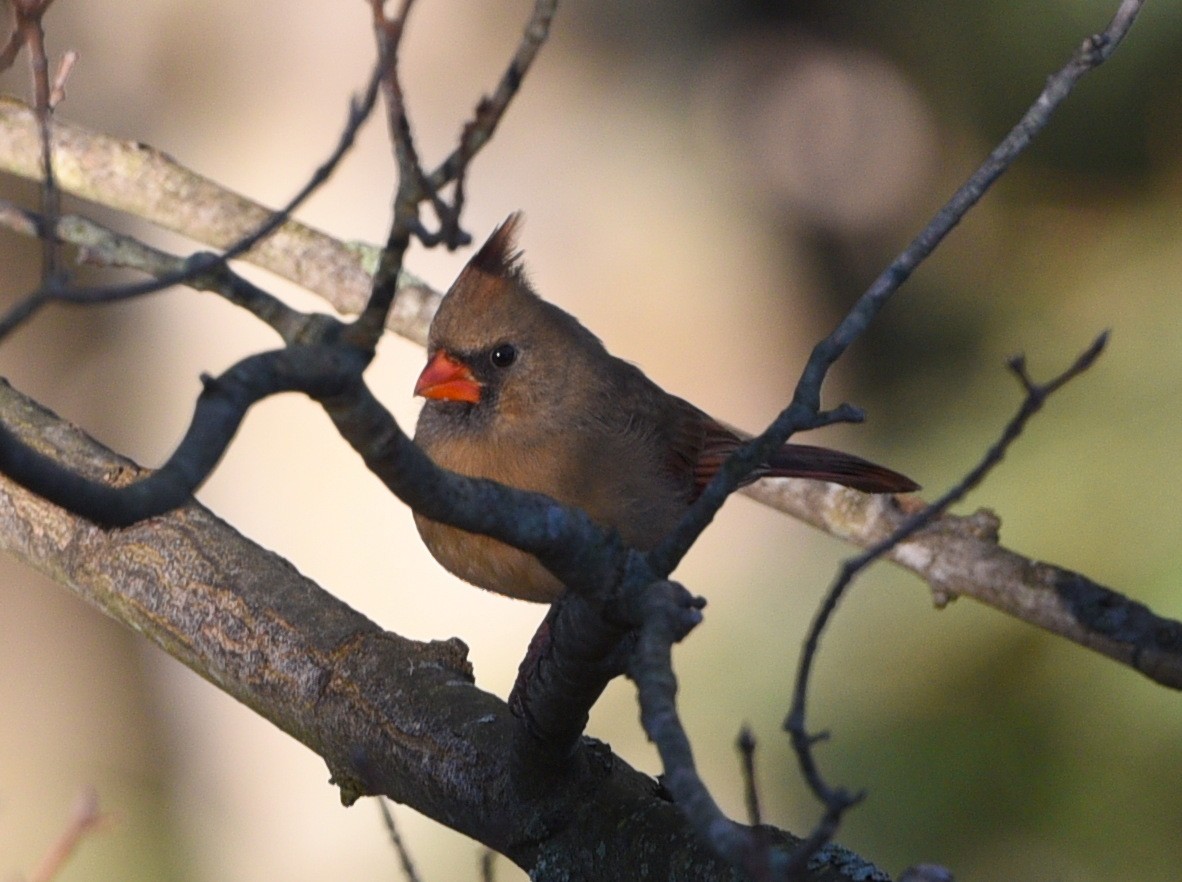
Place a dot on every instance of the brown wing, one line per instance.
(705, 444)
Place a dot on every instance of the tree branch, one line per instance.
(149, 184)
(962, 556)
(388, 715)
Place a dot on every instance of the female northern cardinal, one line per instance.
(518, 391)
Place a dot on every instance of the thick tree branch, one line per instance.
(147, 183)
(962, 556)
(388, 715)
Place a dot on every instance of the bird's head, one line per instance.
(496, 351)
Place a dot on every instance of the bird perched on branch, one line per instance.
(518, 391)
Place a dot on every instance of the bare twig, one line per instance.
(58, 93)
(102, 246)
(479, 130)
(746, 744)
(369, 325)
(408, 865)
(415, 186)
(656, 690)
(836, 800)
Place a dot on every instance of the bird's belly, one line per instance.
(610, 480)
(487, 563)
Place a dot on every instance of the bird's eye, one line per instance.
(503, 355)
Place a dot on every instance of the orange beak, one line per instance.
(446, 379)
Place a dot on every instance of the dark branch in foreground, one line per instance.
(388, 715)
(835, 800)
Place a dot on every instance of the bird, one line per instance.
(518, 391)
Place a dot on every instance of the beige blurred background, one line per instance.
(706, 185)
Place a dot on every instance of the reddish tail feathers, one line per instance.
(822, 464)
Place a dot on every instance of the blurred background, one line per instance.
(707, 185)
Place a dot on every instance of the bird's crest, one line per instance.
(483, 300)
(500, 256)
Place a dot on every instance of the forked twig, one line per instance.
(836, 800)
(415, 186)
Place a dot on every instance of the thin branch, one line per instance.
(415, 186)
(805, 410)
(746, 745)
(102, 246)
(28, 30)
(404, 858)
(480, 129)
(670, 613)
(656, 685)
(835, 800)
(58, 93)
(369, 325)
